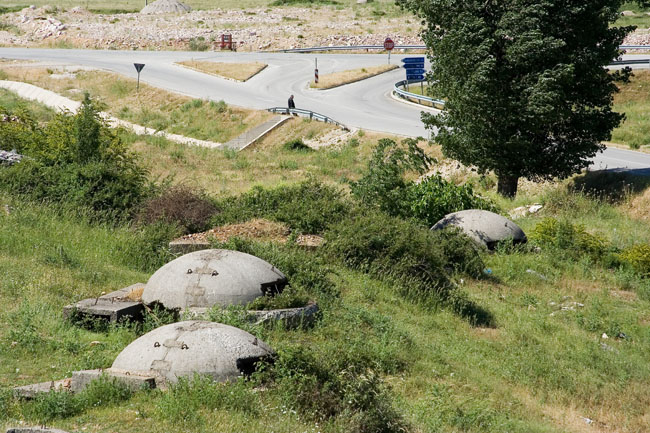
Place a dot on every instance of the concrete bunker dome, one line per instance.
(206, 278)
(484, 227)
(184, 348)
(165, 6)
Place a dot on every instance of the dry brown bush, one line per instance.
(181, 205)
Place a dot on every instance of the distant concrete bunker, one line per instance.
(206, 278)
(484, 227)
(185, 348)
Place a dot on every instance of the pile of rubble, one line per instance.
(9, 157)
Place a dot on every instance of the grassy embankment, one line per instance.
(539, 369)
(151, 107)
(335, 79)
(235, 71)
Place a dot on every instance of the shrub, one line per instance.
(149, 247)
(198, 44)
(323, 385)
(296, 144)
(179, 205)
(435, 197)
(308, 207)
(638, 258)
(105, 390)
(288, 298)
(383, 185)
(568, 237)
(53, 405)
(418, 260)
(75, 161)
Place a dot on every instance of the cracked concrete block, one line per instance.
(135, 382)
(185, 348)
(484, 227)
(206, 278)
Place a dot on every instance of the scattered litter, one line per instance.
(523, 211)
(604, 336)
(532, 272)
(587, 420)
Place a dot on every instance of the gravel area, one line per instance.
(252, 29)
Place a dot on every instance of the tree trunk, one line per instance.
(507, 186)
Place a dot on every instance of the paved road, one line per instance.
(365, 104)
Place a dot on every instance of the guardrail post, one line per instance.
(311, 115)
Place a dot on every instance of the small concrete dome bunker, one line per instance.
(206, 278)
(184, 348)
(484, 227)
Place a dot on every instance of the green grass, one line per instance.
(641, 19)
(540, 369)
(11, 102)
(633, 101)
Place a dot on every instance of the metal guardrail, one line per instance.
(307, 114)
(350, 48)
(409, 95)
(404, 47)
(631, 62)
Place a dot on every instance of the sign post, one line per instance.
(138, 67)
(388, 46)
(316, 71)
(414, 67)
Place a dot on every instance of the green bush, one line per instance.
(435, 197)
(420, 261)
(308, 207)
(383, 185)
(568, 237)
(149, 247)
(326, 385)
(76, 162)
(296, 144)
(288, 298)
(104, 391)
(638, 258)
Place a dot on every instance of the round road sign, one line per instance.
(389, 44)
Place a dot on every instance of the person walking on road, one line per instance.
(291, 103)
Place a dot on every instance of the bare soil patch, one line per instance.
(257, 229)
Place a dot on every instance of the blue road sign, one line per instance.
(414, 77)
(415, 72)
(413, 60)
(413, 65)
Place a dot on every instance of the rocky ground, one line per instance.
(252, 29)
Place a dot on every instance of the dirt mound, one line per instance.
(257, 229)
(165, 7)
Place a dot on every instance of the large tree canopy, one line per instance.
(527, 91)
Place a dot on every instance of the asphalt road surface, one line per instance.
(366, 104)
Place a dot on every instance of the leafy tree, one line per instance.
(526, 88)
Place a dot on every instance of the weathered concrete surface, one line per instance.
(34, 430)
(31, 391)
(115, 306)
(135, 382)
(185, 348)
(291, 317)
(212, 277)
(186, 246)
(484, 227)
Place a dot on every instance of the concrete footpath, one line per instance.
(61, 103)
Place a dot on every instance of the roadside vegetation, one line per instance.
(420, 330)
(235, 71)
(632, 100)
(335, 79)
(151, 107)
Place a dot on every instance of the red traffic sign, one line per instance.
(389, 44)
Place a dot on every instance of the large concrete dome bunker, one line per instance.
(184, 348)
(206, 278)
(484, 227)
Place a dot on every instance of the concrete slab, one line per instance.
(123, 304)
(113, 311)
(292, 318)
(135, 382)
(34, 430)
(186, 246)
(31, 391)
